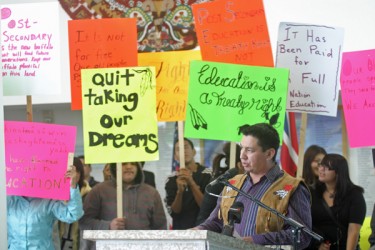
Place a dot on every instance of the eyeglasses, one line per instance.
(325, 167)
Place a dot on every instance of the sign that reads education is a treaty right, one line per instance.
(222, 97)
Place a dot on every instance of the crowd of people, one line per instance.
(324, 200)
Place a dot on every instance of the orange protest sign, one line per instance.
(233, 32)
(99, 43)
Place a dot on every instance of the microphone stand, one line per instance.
(296, 226)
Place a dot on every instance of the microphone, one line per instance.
(234, 216)
(227, 175)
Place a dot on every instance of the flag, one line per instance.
(175, 164)
(289, 148)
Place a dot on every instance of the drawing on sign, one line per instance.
(197, 119)
(273, 120)
(146, 80)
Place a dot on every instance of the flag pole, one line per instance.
(301, 145)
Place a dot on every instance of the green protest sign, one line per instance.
(222, 97)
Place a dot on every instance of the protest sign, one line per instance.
(30, 49)
(233, 32)
(223, 97)
(313, 55)
(172, 80)
(119, 115)
(36, 158)
(358, 96)
(99, 43)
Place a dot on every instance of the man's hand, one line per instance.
(248, 239)
(117, 224)
(324, 246)
(181, 184)
(187, 175)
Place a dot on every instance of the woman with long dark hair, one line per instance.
(338, 206)
(311, 160)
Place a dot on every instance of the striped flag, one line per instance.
(289, 148)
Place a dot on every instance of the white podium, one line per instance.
(164, 240)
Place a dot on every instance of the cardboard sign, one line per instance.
(119, 118)
(223, 97)
(99, 43)
(313, 55)
(36, 158)
(172, 81)
(233, 32)
(30, 49)
(358, 96)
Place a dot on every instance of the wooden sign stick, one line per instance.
(29, 108)
(232, 157)
(119, 189)
(181, 146)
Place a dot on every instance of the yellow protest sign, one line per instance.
(172, 81)
(119, 118)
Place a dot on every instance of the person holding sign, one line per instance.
(264, 181)
(185, 188)
(142, 205)
(30, 220)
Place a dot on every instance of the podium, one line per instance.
(165, 240)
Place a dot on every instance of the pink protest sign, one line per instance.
(36, 159)
(358, 96)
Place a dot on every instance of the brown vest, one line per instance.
(277, 197)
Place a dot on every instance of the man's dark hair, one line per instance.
(266, 134)
(187, 140)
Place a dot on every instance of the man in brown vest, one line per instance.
(265, 181)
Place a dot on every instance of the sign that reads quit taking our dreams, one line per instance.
(222, 97)
(36, 158)
(119, 118)
(313, 55)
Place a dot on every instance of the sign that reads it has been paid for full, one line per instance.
(36, 158)
(222, 97)
(119, 114)
(313, 55)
